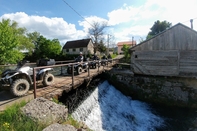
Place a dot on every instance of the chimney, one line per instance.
(132, 41)
(191, 23)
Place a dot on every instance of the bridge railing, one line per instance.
(60, 70)
(110, 62)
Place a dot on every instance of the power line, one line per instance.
(77, 13)
(189, 20)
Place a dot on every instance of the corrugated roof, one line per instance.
(77, 43)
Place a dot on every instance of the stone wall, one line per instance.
(170, 91)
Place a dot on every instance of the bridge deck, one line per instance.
(62, 82)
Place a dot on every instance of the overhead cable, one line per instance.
(77, 12)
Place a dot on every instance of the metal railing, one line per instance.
(61, 71)
(113, 61)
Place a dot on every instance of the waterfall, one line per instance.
(107, 109)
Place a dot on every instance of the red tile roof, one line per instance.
(126, 43)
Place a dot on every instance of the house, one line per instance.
(120, 45)
(75, 47)
(172, 52)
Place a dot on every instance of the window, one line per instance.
(81, 49)
(74, 50)
(67, 50)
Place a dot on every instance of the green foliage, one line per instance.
(12, 119)
(157, 28)
(114, 55)
(12, 42)
(101, 47)
(45, 48)
(9, 42)
(125, 50)
(57, 101)
(74, 123)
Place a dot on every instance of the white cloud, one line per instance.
(176, 11)
(136, 21)
(51, 28)
(126, 22)
(90, 20)
(122, 15)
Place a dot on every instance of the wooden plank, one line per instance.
(188, 63)
(138, 69)
(156, 63)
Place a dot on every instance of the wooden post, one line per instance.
(98, 65)
(34, 83)
(61, 70)
(73, 76)
(88, 70)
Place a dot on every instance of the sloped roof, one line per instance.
(126, 43)
(77, 43)
(159, 34)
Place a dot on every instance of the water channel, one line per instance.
(103, 108)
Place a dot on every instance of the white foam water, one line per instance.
(107, 109)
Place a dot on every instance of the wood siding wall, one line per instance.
(177, 38)
(165, 63)
(188, 63)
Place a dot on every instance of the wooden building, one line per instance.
(172, 52)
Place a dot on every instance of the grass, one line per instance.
(113, 55)
(75, 123)
(12, 119)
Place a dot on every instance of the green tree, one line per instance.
(101, 47)
(34, 37)
(125, 50)
(157, 28)
(12, 42)
(45, 48)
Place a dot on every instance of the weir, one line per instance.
(106, 108)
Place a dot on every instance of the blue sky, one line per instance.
(127, 18)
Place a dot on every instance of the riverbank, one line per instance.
(169, 91)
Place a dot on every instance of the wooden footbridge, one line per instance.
(63, 82)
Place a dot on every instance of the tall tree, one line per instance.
(12, 42)
(96, 32)
(45, 48)
(157, 28)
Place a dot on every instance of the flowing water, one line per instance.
(104, 108)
